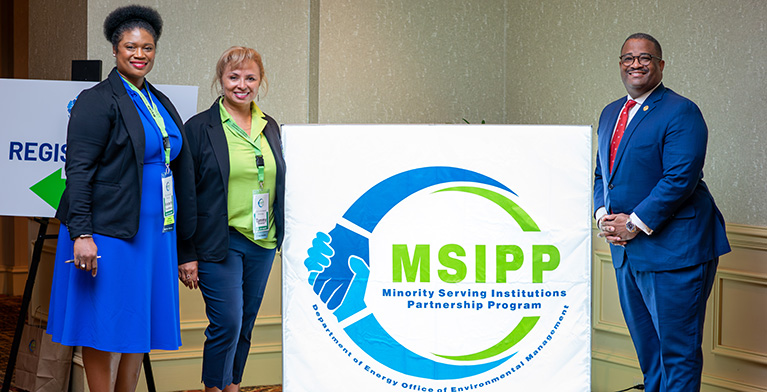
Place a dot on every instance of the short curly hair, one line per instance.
(128, 18)
(646, 37)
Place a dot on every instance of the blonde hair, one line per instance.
(234, 57)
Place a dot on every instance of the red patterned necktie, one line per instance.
(622, 120)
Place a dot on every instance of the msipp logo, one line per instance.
(339, 265)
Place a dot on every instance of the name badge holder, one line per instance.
(167, 192)
(260, 204)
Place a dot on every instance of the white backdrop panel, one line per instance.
(437, 258)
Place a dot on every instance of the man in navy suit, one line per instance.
(651, 204)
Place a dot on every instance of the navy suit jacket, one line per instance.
(105, 161)
(210, 154)
(658, 174)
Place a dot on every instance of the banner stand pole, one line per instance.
(27, 297)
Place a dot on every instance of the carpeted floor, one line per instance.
(9, 313)
(268, 388)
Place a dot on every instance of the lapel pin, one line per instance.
(645, 108)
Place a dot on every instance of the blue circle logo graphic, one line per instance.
(70, 105)
(338, 266)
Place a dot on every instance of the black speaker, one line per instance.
(86, 70)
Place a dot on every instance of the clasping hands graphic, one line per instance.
(337, 272)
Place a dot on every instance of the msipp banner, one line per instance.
(33, 136)
(437, 258)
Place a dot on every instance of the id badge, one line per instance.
(260, 214)
(167, 202)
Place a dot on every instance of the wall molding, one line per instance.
(261, 321)
(13, 279)
(198, 326)
(196, 353)
(633, 363)
(13, 269)
(747, 237)
(599, 322)
(604, 356)
(718, 347)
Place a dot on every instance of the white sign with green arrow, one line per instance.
(33, 140)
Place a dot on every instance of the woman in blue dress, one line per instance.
(128, 194)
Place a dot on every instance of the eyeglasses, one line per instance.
(644, 59)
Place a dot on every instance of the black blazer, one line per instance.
(105, 162)
(210, 153)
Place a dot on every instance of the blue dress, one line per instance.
(131, 306)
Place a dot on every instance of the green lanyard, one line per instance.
(157, 119)
(256, 146)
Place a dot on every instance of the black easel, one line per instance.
(32, 275)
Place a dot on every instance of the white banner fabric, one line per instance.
(33, 136)
(437, 258)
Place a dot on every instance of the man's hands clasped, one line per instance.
(613, 229)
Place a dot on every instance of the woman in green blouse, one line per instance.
(240, 182)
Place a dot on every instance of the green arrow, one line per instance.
(50, 188)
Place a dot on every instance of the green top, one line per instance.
(244, 176)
